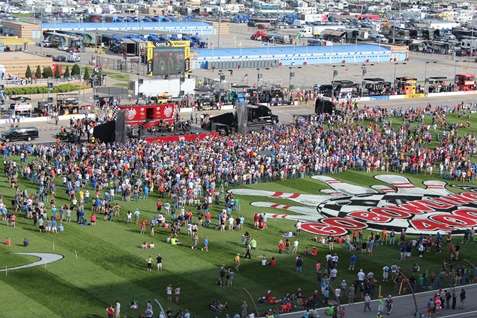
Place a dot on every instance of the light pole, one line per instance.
(455, 67)
(220, 22)
(335, 73)
(221, 79)
(292, 74)
(259, 76)
(394, 80)
(425, 76)
(379, 47)
(50, 100)
(364, 70)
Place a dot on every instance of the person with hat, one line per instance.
(270, 314)
(389, 305)
(299, 297)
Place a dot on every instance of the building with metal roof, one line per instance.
(267, 56)
(199, 27)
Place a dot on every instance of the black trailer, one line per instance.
(323, 105)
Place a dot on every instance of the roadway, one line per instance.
(404, 306)
(48, 130)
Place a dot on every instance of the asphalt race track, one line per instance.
(404, 306)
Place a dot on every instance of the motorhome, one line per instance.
(315, 30)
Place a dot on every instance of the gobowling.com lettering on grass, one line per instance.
(398, 205)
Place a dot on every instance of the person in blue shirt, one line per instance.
(54, 211)
(53, 226)
(403, 252)
(146, 192)
(352, 261)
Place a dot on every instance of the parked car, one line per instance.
(251, 24)
(73, 58)
(474, 52)
(460, 53)
(282, 25)
(262, 26)
(63, 48)
(44, 43)
(60, 58)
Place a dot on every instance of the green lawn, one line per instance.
(117, 76)
(110, 265)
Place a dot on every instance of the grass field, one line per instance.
(103, 264)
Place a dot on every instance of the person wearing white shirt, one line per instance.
(295, 247)
(361, 275)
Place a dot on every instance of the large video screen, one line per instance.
(168, 61)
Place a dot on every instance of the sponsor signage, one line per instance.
(397, 206)
(415, 96)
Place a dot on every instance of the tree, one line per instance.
(57, 71)
(47, 72)
(38, 72)
(28, 72)
(86, 76)
(75, 70)
(67, 72)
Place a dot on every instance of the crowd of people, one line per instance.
(196, 173)
(318, 144)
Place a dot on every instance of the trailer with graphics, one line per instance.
(161, 117)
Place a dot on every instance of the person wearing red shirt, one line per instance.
(273, 262)
(110, 311)
(143, 226)
(281, 245)
(93, 219)
(207, 219)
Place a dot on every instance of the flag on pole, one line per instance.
(298, 36)
(245, 77)
(235, 38)
(240, 44)
(345, 71)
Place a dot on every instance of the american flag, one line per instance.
(245, 77)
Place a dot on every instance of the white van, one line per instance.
(379, 38)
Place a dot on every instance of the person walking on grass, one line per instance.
(177, 293)
(149, 263)
(237, 262)
(159, 262)
(117, 309)
(169, 293)
(110, 311)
